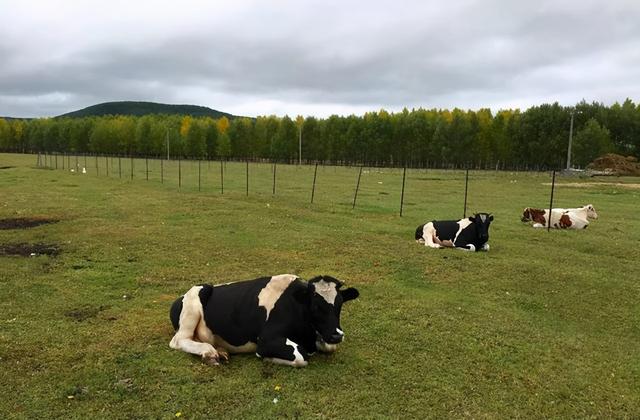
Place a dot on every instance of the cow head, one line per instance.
(324, 299)
(482, 221)
(591, 211)
(534, 215)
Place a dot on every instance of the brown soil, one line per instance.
(29, 250)
(616, 165)
(24, 222)
(85, 312)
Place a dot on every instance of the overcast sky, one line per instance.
(316, 57)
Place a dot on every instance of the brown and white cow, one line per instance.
(560, 218)
(585, 212)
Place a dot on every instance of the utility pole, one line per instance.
(300, 123)
(300, 145)
(570, 140)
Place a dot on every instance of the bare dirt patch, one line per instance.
(612, 164)
(24, 222)
(85, 312)
(29, 250)
(596, 184)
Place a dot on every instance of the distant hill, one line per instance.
(145, 108)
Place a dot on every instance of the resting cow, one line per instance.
(283, 319)
(585, 212)
(560, 218)
(469, 234)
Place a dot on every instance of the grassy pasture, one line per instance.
(544, 325)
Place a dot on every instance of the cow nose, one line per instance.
(336, 338)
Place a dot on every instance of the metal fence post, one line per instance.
(404, 174)
(357, 187)
(553, 185)
(313, 190)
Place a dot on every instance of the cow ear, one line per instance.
(491, 217)
(471, 218)
(349, 294)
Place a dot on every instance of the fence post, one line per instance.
(404, 174)
(274, 178)
(146, 164)
(85, 161)
(179, 173)
(466, 184)
(198, 174)
(56, 160)
(313, 190)
(131, 167)
(63, 155)
(120, 166)
(357, 187)
(162, 171)
(553, 184)
(76, 156)
(221, 177)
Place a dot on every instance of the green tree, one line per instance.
(592, 141)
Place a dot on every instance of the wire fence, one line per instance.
(353, 186)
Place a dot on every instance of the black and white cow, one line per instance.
(469, 234)
(283, 319)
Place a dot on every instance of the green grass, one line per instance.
(544, 325)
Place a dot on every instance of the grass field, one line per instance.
(546, 324)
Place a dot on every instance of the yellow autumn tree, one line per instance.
(223, 125)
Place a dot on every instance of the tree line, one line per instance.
(535, 138)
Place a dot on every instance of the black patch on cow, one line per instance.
(205, 294)
(419, 232)
(446, 230)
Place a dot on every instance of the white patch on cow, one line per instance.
(483, 217)
(192, 327)
(462, 224)
(273, 290)
(298, 360)
(339, 331)
(248, 347)
(428, 233)
(486, 247)
(327, 290)
(326, 348)
(468, 248)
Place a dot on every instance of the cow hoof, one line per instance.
(223, 356)
(212, 359)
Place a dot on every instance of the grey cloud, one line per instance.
(470, 55)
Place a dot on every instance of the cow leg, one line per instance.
(282, 351)
(486, 247)
(468, 248)
(191, 322)
(429, 233)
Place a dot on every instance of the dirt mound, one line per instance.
(24, 222)
(29, 250)
(612, 164)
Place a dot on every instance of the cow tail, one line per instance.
(174, 313)
(176, 307)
